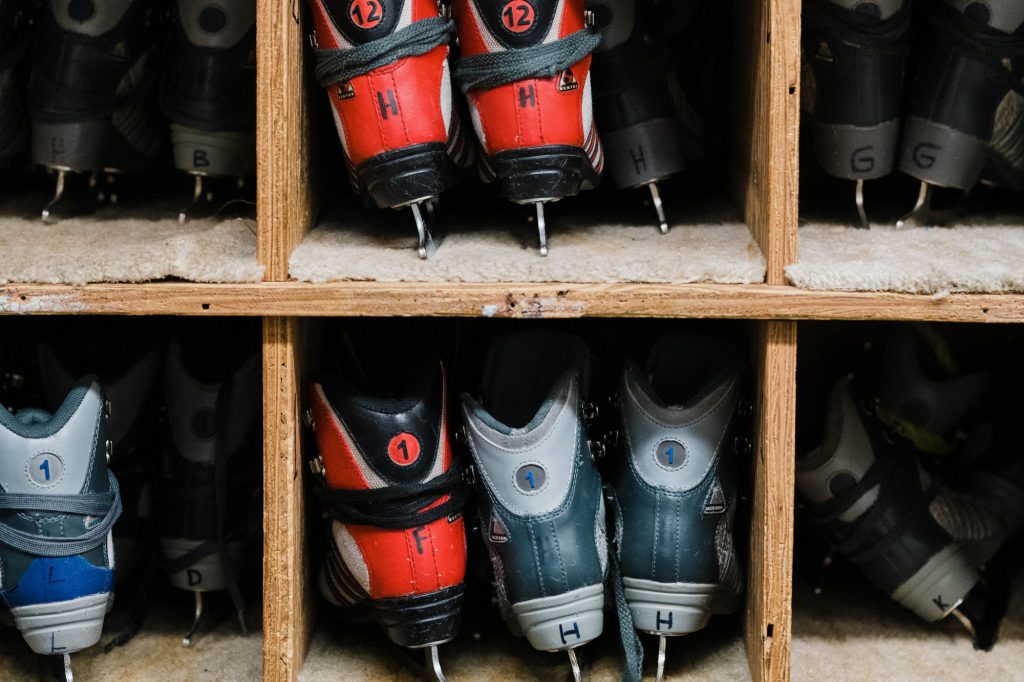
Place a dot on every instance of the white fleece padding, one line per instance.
(501, 246)
(126, 244)
(983, 257)
(852, 632)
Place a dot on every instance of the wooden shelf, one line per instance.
(511, 300)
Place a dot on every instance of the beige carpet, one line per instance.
(852, 632)
(219, 653)
(363, 656)
(125, 244)
(984, 257)
(587, 244)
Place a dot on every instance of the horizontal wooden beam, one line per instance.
(518, 300)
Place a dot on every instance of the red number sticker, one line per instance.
(404, 449)
(366, 13)
(518, 16)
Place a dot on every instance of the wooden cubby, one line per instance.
(764, 183)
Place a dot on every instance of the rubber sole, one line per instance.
(643, 153)
(78, 146)
(675, 608)
(562, 621)
(856, 152)
(421, 620)
(542, 173)
(205, 575)
(406, 176)
(222, 154)
(63, 627)
(939, 586)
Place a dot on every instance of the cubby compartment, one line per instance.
(140, 238)
(716, 207)
(942, 396)
(895, 194)
(369, 355)
(173, 405)
(129, 144)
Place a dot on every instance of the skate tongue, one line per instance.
(33, 415)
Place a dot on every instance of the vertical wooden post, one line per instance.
(283, 202)
(769, 610)
(284, 211)
(286, 602)
(767, 127)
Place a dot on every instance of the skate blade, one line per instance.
(434, 672)
(859, 199)
(542, 228)
(196, 621)
(662, 647)
(574, 666)
(425, 213)
(659, 207)
(57, 208)
(56, 667)
(211, 196)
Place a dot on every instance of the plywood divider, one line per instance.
(283, 203)
(287, 610)
(769, 610)
(767, 127)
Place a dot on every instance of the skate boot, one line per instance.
(882, 510)
(14, 35)
(926, 399)
(541, 505)
(633, 102)
(92, 87)
(127, 378)
(58, 503)
(394, 495)
(209, 490)
(965, 120)
(384, 65)
(676, 487)
(856, 50)
(525, 68)
(209, 94)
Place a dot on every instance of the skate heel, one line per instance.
(675, 608)
(542, 173)
(563, 621)
(221, 154)
(206, 574)
(938, 586)
(643, 152)
(856, 152)
(408, 175)
(422, 620)
(78, 146)
(939, 155)
(63, 627)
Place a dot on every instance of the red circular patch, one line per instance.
(366, 13)
(518, 16)
(404, 449)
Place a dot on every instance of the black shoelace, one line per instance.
(397, 507)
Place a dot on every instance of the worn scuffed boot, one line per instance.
(965, 118)
(676, 487)
(58, 504)
(384, 66)
(525, 69)
(92, 91)
(856, 51)
(209, 93)
(393, 492)
(542, 512)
